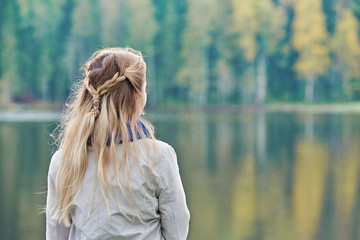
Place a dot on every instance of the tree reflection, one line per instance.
(346, 186)
(245, 199)
(310, 175)
(24, 158)
(9, 140)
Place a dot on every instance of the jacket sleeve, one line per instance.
(54, 230)
(174, 212)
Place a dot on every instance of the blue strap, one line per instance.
(118, 137)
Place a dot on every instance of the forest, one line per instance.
(198, 52)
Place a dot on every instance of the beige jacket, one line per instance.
(161, 203)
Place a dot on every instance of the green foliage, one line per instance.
(199, 52)
(329, 8)
(194, 73)
(10, 69)
(167, 59)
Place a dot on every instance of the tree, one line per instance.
(310, 39)
(284, 84)
(193, 76)
(85, 35)
(219, 75)
(259, 25)
(58, 77)
(170, 17)
(346, 47)
(140, 31)
(112, 22)
(10, 74)
(329, 8)
(141, 25)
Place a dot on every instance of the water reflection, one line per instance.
(310, 175)
(24, 160)
(247, 175)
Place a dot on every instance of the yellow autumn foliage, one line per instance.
(310, 39)
(252, 18)
(345, 44)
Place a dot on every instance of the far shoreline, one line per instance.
(48, 112)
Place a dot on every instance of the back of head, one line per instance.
(113, 84)
(123, 90)
(104, 111)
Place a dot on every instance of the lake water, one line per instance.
(247, 175)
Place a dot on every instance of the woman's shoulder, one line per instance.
(162, 152)
(163, 145)
(155, 144)
(167, 156)
(55, 163)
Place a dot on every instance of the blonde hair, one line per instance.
(103, 108)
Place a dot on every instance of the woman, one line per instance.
(110, 178)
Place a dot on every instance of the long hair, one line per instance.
(102, 111)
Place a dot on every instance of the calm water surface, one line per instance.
(246, 175)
